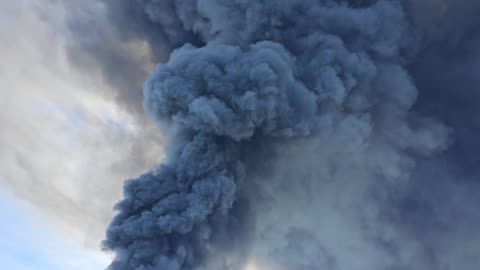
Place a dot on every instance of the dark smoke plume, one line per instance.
(298, 139)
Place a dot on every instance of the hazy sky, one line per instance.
(64, 141)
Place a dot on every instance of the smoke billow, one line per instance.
(295, 139)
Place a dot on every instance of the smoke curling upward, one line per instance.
(266, 81)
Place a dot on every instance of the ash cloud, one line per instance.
(437, 206)
(300, 136)
(445, 71)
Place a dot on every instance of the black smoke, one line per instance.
(305, 134)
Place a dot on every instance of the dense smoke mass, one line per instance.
(305, 134)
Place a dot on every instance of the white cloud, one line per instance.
(66, 146)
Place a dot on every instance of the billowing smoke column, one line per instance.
(287, 122)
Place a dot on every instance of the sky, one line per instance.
(65, 140)
(28, 243)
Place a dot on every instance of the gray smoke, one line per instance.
(438, 207)
(298, 139)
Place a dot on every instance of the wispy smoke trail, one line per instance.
(294, 140)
